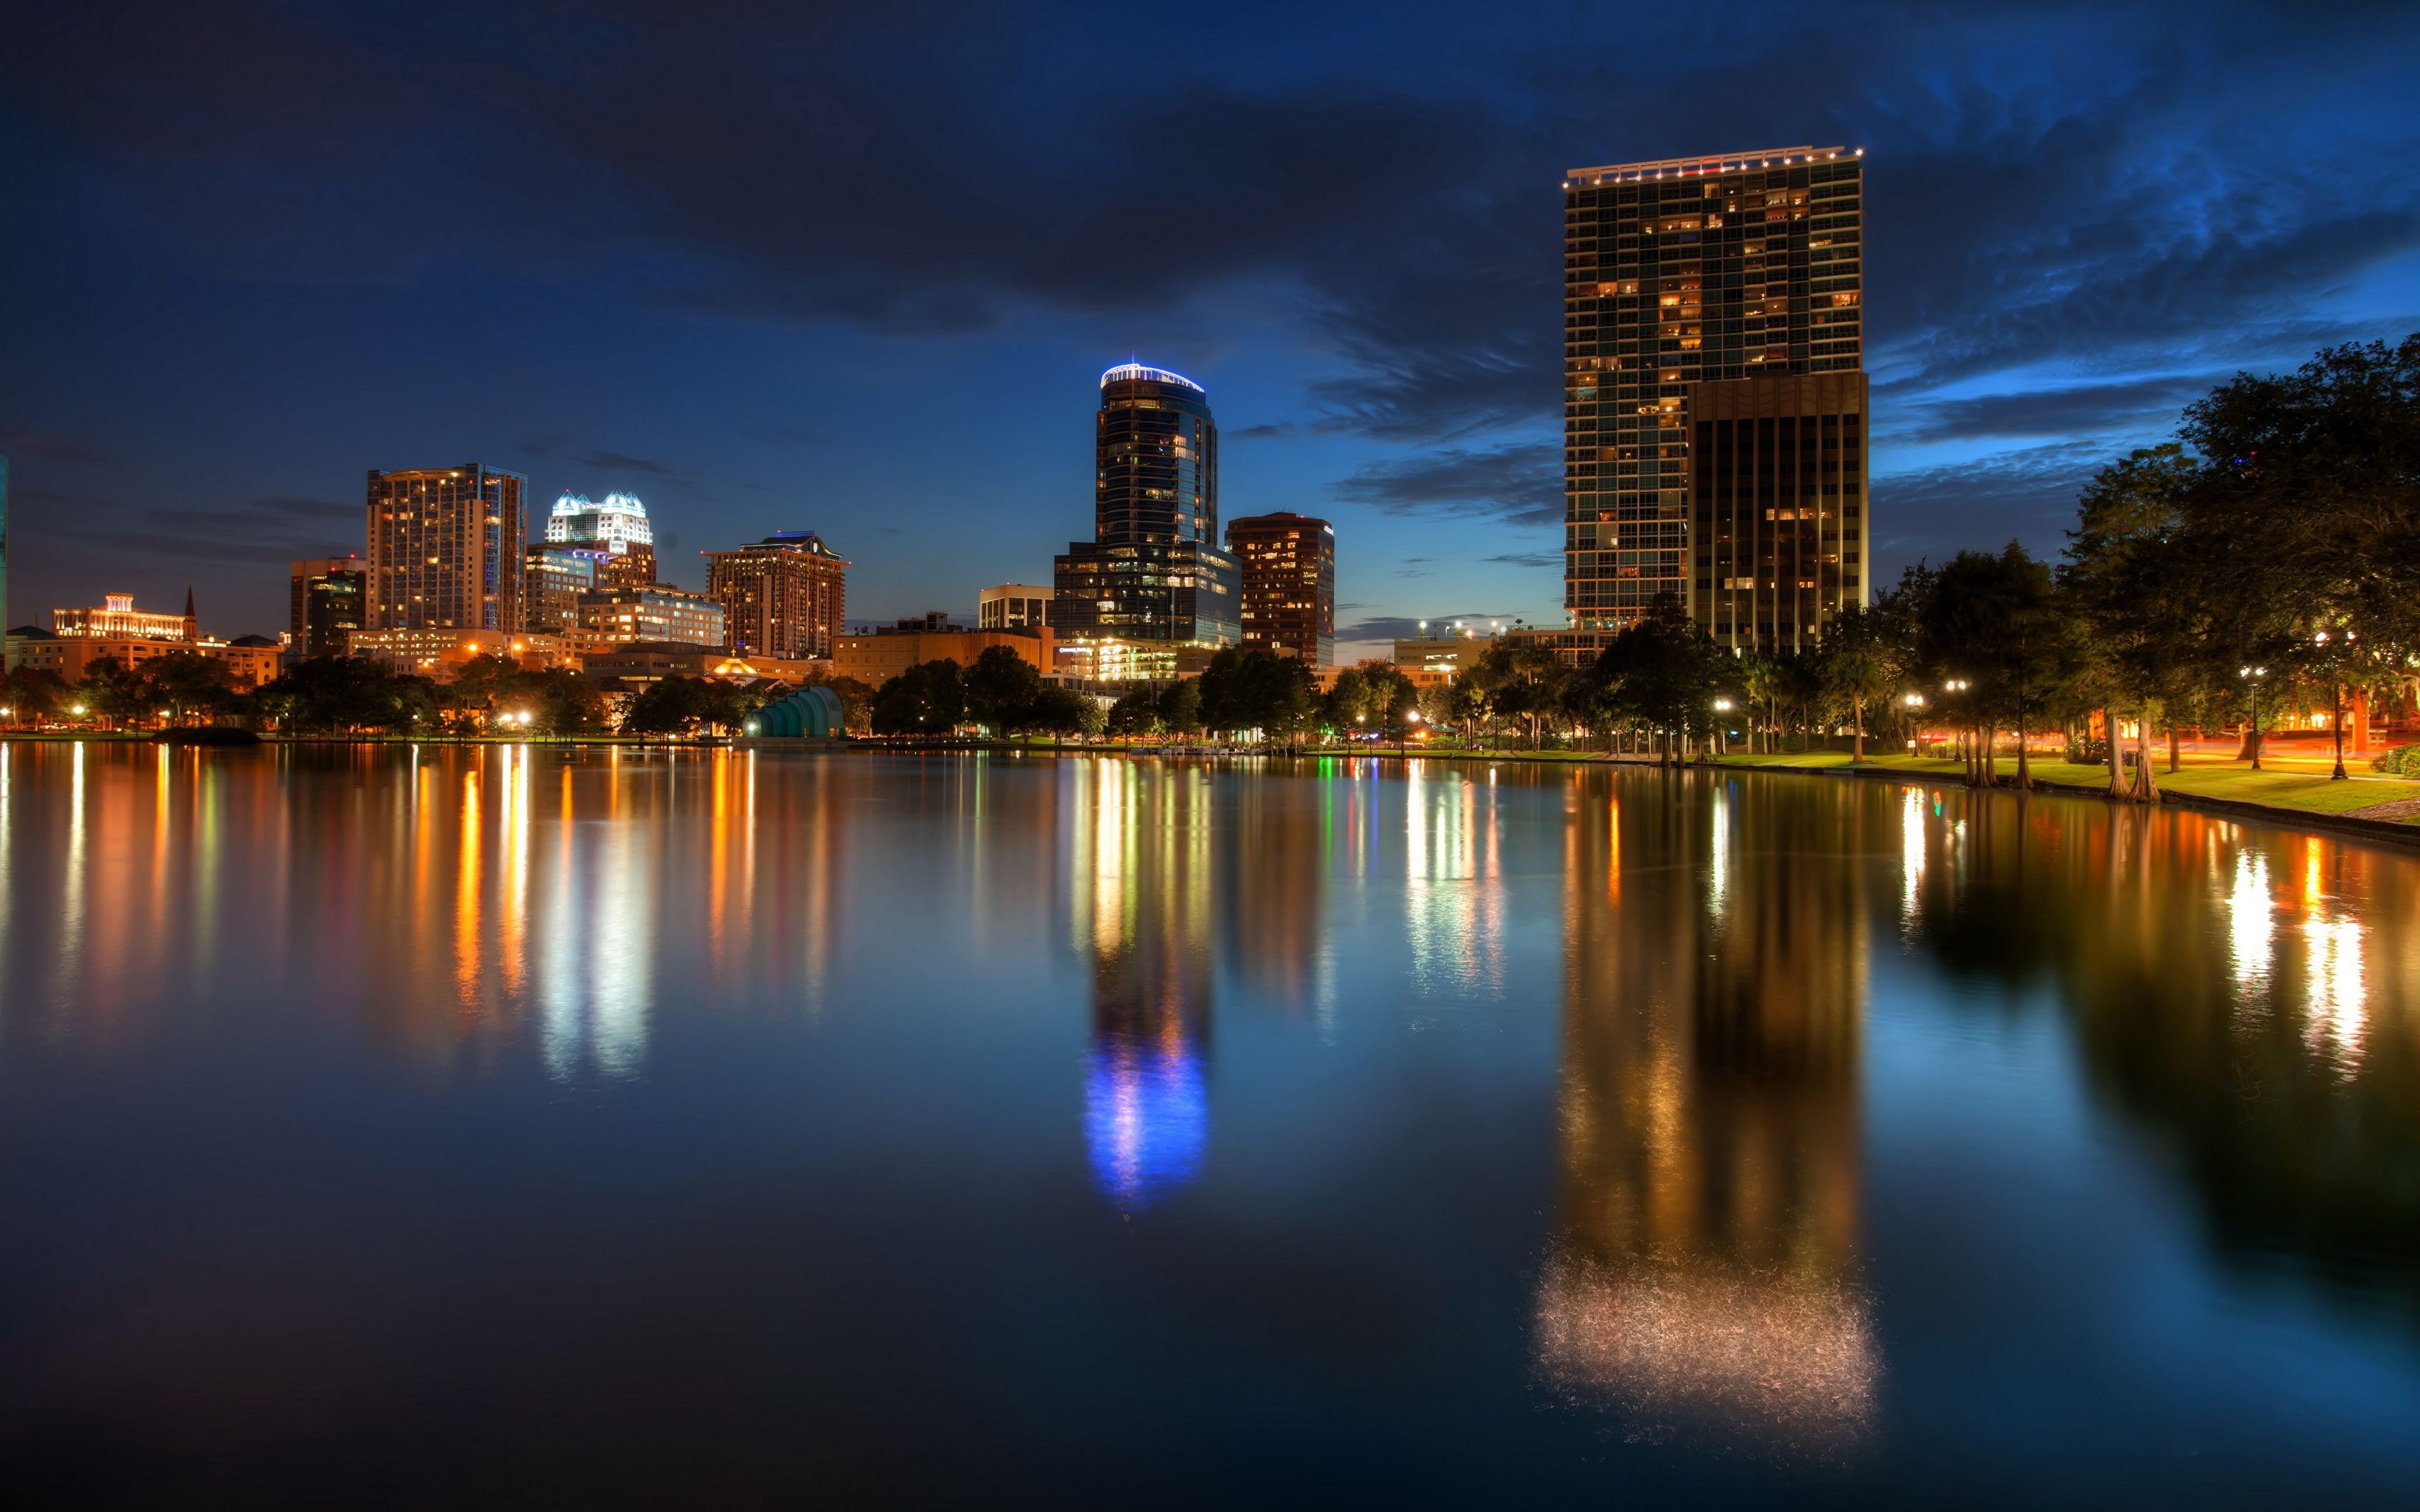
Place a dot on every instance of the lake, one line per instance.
(558, 1125)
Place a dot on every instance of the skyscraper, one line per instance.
(1289, 583)
(617, 526)
(329, 596)
(445, 548)
(781, 598)
(1154, 571)
(1690, 286)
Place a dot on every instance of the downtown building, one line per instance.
(1153, 579)
(328, 597)
(781, 598)
(1714, 432)
(445, 550)
(1288, 563)
(616, 530)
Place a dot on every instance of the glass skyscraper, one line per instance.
(1154, 571)
(1690, 286)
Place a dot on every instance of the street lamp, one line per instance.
(1411, 717)
(2252, 676)
(1722, 744)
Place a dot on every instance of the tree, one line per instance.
(1858, 668)
(1992, 622)
(670, 706)
(1004, 690)
(928, 698)
(1252, 689)
(1663, 672)
(33, 695)
(330, 694)
(2142, 594)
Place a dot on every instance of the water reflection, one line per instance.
(1706, 1275)
(1142, 885)
(2250, 998)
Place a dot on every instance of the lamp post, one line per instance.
(1411, 717)
(2252, 678)
(1722, 744)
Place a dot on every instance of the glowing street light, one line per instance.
(2252, 678)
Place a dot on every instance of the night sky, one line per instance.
(855, 268)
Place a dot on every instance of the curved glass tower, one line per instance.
(1154, 571)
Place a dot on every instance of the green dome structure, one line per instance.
(813, 713)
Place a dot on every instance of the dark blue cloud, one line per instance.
(601, 235)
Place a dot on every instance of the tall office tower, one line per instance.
(1289, 598)
(329, 596)
(617, 526)
(781, 598)
(4, 546)
(1691, 285)
(445, 548)
(1154, 571)
(553, 579)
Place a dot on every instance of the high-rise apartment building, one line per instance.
(445, 548)
(1154, 571)
(617, 527)
(783, 596)
(1690, 286)
(1289, 583)
(330, 596)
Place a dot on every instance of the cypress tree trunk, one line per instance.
(2116, 766)
(2025, 757)
(2146, 787)
(2337, 691)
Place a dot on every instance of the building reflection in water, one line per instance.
(1140, 888)
(1453, 880)
(1705, 1279)
(461, 906)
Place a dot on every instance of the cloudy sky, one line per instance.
(855, 268)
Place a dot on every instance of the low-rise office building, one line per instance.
(875, 658)
(1013, 606)
(439, 653)
(658, 611)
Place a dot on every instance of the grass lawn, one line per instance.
(2305, 792)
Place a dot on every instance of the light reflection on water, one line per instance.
(1667, 1165)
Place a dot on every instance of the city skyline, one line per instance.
(2063, 251)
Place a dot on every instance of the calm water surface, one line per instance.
(555, 1125)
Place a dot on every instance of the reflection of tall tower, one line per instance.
(1710, 1178)
(1140, 894)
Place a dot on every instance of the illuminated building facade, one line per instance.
(117, 619)
(553, 579)
(1682, 277)
(1288, 565)
(616, 527)
(445, 548)
(1013, 606)
(656, 612)
(1153, 570)
(783, 596)
(329, 598)
(440, 653)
